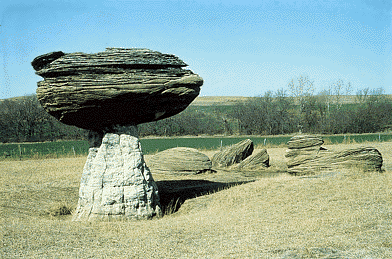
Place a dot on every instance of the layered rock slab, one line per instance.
(233, 154)
(118, 86)
(116, 183)
(306, 156)
(256, 161)
(180, 160)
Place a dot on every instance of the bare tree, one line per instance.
(302, 89)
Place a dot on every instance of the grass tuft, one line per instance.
(172, 207)
(59, 209)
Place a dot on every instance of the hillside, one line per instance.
(218, 100)
(231, 100)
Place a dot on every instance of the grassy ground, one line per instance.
(224, 215)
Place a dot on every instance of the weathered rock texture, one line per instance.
(304, 141)
(306, 157)
(116, 184)
(180, 160)
(256, 161)
(233, 154)
(304, 146)
(118, 86)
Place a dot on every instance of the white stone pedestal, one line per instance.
(116, 184)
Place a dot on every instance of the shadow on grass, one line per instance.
(174, 193)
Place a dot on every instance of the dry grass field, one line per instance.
(231, 100)
(226, 214)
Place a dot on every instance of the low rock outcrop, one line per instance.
(305, 156)
(256, 161)
(180, 160)
(233, 154)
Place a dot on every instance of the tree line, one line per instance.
(298, 109)
(23, 119)
(285, 111)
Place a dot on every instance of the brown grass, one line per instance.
(231, 100)
(342, 215)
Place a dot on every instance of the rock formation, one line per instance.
(233, 154)
(241, 156)
(304, 146)
(305, 141)
(180, 160)
(305, 156)
(116, 184)
(256, 161)
(109, 93)
(118, 86)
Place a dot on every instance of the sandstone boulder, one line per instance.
(256, 161)
(233, 154)
(180, 160)
(304, 146)
(304, 141)
(118, 86)
(312, 159)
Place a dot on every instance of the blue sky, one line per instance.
(240, 48)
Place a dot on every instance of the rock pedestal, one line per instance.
(116, 184)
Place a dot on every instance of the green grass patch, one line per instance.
(44, 150)
(152, 145)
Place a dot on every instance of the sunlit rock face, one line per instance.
(116, 183)
(114, 87)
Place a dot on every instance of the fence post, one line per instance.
(20, 152)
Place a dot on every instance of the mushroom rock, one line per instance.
(109, 93)
(116, 87)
